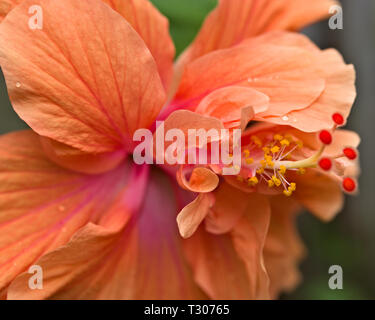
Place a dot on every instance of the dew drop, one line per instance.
(18, 84)
(285, 118)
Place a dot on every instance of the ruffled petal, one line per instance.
(86, 79)
(338, 96)
(189, 219)
(43, 205)
(283, 249)
(201, 179)
(150, 24)
(320, 193)
(216, 266)
(230, 205)
(143, 260)
(228, 105)
(249, 237)
(186, 121)
(285, 73)
(233, 21)
(230, 265)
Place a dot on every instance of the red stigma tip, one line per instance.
(325, 137)
(338, 119)
(350, 153)
(325, 164)
(349, 184)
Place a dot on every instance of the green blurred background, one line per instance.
(348, 241)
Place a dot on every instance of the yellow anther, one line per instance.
(260, 170)
(270, 164)
(278, 137)
(301, 171)
(282, 169)
(284, 142)
(246, 153)
(240, 178)
(292, 186)
(249, 160)
(268, 158)
(266, 150)
(276, 181)
(268, 161)
(288, 193)
(257, 141)
(252, 181)
(299, 144)
(263, 163)
(289, 137)
(270, 183)
(275, 149)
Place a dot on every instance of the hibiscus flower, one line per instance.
(101, 227)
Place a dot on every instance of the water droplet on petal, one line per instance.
(18, 84)
(285, 118)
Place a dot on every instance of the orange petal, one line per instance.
(43, 205)
(344, 166)
(150, 24)
(77, 160)
(311, 144)
(286, 74)
(201, 180)
(239, 185)
(6, 6)
(230, 205)
(153, 27)
(185, 120)
(228, 104)
(283, 249)
(89, 83)
(141, 261)
(190, 217)
(233, 21)
(342, 138)
(338, 95)
(319, 193)
(249, 236)
(217, 269)
(339, 92)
